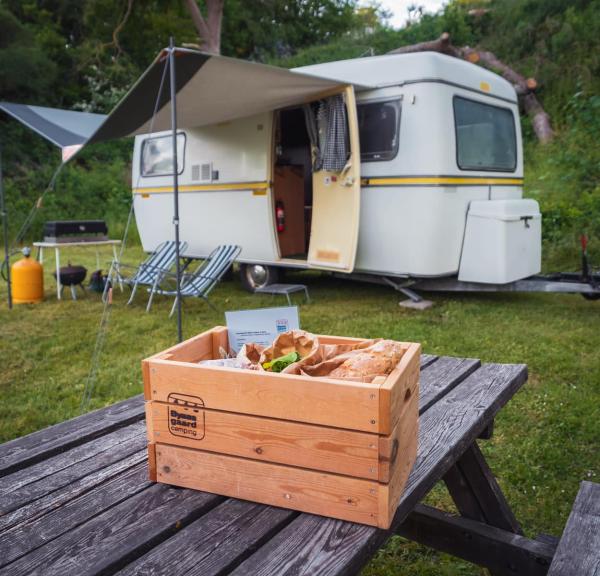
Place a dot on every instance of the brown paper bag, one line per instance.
(304, 343)
(362, 364)
(250, 354)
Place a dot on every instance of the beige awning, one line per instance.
(210, 89)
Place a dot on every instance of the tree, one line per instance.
(260, 29)
(27, 72)
(209, 28)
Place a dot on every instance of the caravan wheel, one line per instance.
(255, 276)
(593, 296)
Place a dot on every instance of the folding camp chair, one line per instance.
(152, 270)
(200, 282)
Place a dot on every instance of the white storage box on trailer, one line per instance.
(502, 241)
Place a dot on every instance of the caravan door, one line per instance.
(336, 203)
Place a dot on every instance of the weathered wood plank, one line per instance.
(315, 545)
(44, 477)
(60, 497)
(578, 551)
(62, 517)
(427, 359)
(214, 544)
(487, 432)
(548, 539)
(22, 452)
(443, 375)
(118, 536)
(499, 550)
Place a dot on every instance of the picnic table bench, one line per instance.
(578, 551)
(75, 498)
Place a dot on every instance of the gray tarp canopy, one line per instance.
(64, 128)
(210, 89)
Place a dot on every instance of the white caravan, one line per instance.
(430, 184)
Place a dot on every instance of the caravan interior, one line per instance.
(292, 183)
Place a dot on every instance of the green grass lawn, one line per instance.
(545, 441)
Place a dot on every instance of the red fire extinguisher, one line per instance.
(280, 216)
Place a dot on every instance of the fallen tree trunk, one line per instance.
(441, 44)
(524, 87)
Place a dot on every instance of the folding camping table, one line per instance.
(75, 499)
(58, 245)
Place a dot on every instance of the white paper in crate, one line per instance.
(260, 326)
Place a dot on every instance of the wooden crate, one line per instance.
(318, 445)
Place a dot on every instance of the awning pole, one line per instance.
(175, 182)
(4, 216)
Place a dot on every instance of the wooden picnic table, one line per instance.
(75, 499)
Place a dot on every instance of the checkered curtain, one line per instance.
(333, 136)
(327, 130)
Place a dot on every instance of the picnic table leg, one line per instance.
(486, 532)
(115, 259)
(477, 494)
(502, 552)
(487, 432)
(58, 284)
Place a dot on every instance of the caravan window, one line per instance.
(157, 155)
(485, 136)
(378, 125)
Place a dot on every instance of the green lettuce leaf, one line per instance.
(278, 364)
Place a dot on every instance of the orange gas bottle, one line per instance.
(27, 278)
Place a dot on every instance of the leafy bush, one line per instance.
(380, 40)
(565, 178)
(556, 42)
(94, 185)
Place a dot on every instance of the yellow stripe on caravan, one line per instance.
(438, 180)
(202, 187)
(260, 188)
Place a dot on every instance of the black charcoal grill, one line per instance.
(75, 231)
(72, 276)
